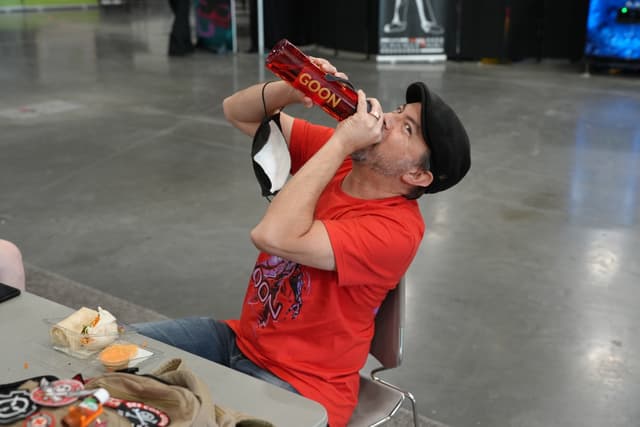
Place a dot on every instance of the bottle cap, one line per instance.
(101, 394)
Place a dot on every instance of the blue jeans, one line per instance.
(210, 339)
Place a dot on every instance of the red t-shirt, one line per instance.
(311, 327)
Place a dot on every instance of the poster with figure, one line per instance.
(411, 30)
(213, 25)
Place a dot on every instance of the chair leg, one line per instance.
(413, 408)
(405, 394)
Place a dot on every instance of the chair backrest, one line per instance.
(388, 338)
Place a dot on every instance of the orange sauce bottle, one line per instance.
(84, 413)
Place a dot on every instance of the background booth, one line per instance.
(613, 33)
(460, 29)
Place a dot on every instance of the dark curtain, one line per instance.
(288, 19)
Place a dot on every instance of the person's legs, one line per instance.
(208, 338)
(253, 26)
(428, 24)
(180, 37)
(11, 267)
(397, 23)
(239, 362)
(202, 336)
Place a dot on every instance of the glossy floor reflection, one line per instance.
(119, 171)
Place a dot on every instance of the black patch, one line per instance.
(15, 406)
(140, 414)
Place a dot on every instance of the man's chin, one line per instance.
(361, 155)
(358, 156)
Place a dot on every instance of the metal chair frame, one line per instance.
(387, 349)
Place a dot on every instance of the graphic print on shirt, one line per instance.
(278, 285)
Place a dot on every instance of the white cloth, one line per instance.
(274, 158)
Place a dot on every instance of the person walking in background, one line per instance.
(180, 42)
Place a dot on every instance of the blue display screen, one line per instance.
(613, 29)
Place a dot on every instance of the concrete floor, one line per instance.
(118, 171)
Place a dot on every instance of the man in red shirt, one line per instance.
(335, 239)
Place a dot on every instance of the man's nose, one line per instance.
(387, 120)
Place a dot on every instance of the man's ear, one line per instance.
(418, 178)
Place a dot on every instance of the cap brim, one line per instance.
(418, 92)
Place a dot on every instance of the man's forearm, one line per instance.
(289, 228)
(245, 109)
(291, 212)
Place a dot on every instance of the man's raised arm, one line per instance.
(245, 109)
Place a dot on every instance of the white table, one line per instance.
(26, 352)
